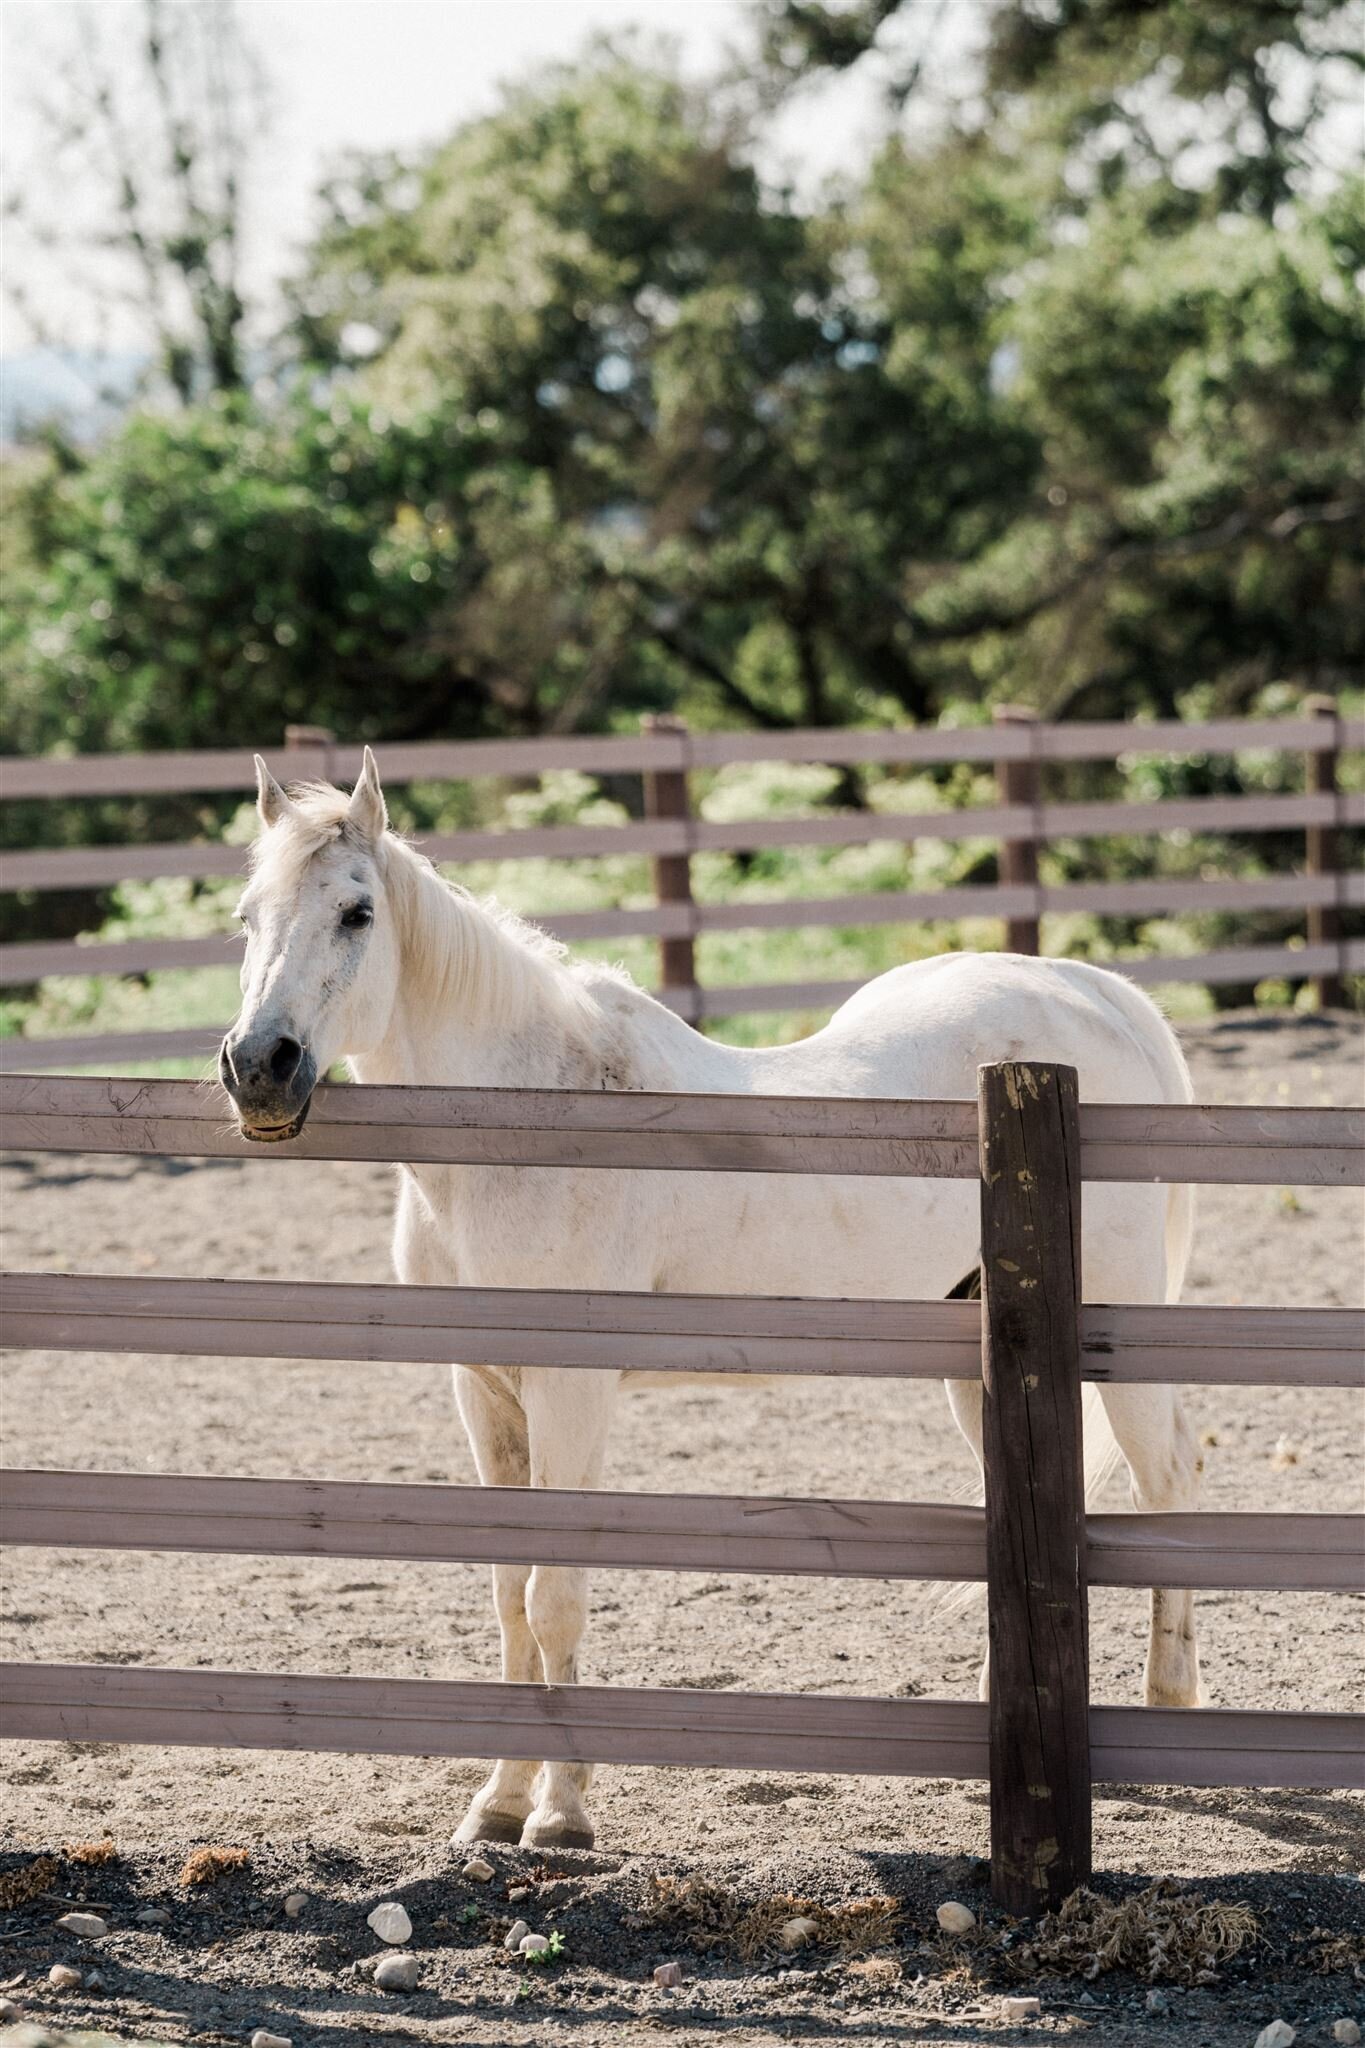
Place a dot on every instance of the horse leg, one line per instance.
(568, 1417)
(966, 1399)
(497, 1436)
(1154, 1434)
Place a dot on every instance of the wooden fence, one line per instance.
(1017, 747)
(1039, 1742)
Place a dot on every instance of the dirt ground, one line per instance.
(350, 1831)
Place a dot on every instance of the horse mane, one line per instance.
(468, 952)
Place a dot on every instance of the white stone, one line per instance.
(954, 1918)
(1279, 2034)
(668, 1976)
(152, 1916)
(1023, 2008)
(534, 1944)
(1346, 2031)
(396, 1973)
(63, 1978)
(263, 2038)
(480, 1869)
(295, 1904)
(390, 1922)
(513, 1937)
(796, 1933)
(88, 1925)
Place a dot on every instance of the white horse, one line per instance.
(358, 949)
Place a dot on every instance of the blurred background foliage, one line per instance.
(574, 416)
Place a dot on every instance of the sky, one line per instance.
(355, 74)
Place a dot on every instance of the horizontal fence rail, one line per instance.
(864, 1539)
(1017, 746)
(646, 1332)
(1236, 1144)
(637, 1725)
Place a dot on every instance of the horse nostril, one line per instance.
(285, 1060)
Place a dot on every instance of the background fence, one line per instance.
(1017, 747)
(1039, 1741)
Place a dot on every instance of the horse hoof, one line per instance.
(557, 1834)
(487, 1827)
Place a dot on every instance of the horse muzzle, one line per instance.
(270, 1077)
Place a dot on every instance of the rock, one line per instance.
(63, 1978)
(152, 1916)
(1279, 2034)
(668, 1976)
(1023, 2008)
(390, 1922)
(263, 2038)
(9, 2012)
(480, 1869)
(1158, 2002)
(88, 1925)
(1346, 2031)
(513, 1938)
(955, 1918)
(396, 1973)
(294, 1904)
(796, 1933)
(533, 1944)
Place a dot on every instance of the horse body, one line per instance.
(441, 990)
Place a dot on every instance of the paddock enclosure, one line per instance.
(1021, 752)
(1030, 1145)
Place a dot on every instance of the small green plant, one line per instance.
(469, 1913)
(539, 1957)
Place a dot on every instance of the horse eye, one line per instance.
(357, 917)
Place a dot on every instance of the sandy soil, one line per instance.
(351, 1830)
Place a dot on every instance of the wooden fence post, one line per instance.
(1035, 1483)
(667, 796)
(309, 748)
(1018, 783)
(1324, 853)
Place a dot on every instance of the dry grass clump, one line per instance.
(17, 1887)
(712, 1916)
(1326, 1952)
(102, 1851)
(1163, 1935)
(207, 1865)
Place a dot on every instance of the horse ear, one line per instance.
(271, 801)
(367, 811)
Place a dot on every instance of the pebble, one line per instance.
(512, 1939)
(796, 1933)
(1158, 2002)
(1346, 2031)
(63, 1978)
(668, 1976)
(88, 1925)
(390, 1922)
(1023, 2008)
(533, 1944)
(396, 1973)
(954, 1918)
(1279, 2034)
(295, 1904)
(153, 1916)
(480, 1869)
(263, 2038)
(9, 2011)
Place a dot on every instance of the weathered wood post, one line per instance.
(1017, 779)
(1035, 1483)
(667, 797)
(309, 748)
(1324, 852)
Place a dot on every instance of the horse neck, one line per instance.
(478, 1001)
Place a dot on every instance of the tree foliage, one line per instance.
(1060, 402)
